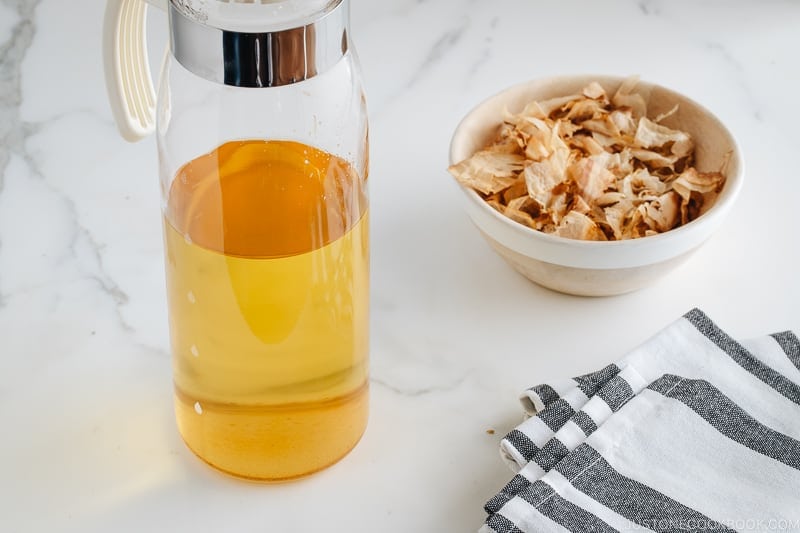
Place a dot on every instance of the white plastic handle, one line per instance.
(128, 80)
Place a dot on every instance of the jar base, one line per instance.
(268, 443)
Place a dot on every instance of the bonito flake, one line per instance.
(592, 166)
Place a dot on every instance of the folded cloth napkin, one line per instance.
(690, 431)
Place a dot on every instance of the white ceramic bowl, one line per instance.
(591, 268)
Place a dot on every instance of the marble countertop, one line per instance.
(88, 439)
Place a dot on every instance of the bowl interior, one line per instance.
(715, 150)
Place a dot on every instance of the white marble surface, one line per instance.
(88, 442)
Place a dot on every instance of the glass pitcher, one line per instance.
(263, 158)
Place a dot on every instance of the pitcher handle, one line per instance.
(127, 71)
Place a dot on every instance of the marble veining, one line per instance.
(421, 391)
(649, 7)
(88, 439)
(439, 50)
(740, 76)
(12, 51)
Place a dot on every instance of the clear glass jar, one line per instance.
(264, 164)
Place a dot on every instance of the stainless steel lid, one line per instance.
(307, 46)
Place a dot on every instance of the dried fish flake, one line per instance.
(488, 172)
(591, 176)
(594, 91)
(650, 135)
(576, 225)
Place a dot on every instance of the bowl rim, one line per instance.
(597, 254)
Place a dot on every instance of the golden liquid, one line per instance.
(268, 288)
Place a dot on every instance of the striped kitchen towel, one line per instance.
(691, 388)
